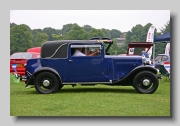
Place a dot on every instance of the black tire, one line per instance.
(145, 82)
(46, 83)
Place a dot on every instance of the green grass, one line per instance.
(99, 100)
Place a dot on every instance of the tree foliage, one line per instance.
(41, 38)
(34, 33)
(20, 38)
(115, 33)
(67, 28)
(49, 31)
(87, 28)
(139, 34)
(96, 33)
(56, 37)
(77, 33)
(166, 27)
(115, 49)
(107, 32)
(12, 24)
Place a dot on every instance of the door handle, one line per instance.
(70, 60)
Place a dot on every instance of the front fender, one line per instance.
(144, 67)
(128, 80)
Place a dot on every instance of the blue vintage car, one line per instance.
(58, 67)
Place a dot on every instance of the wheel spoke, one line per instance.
(146, 82)
(46, 83)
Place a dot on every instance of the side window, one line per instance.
(86, 50)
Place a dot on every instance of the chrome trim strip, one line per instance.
(87, 83)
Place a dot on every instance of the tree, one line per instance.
(67, 28)
(12, 24)
(34, 33)
(77, 33)
(49, 31)
(166, 27)
(107, 33)
(87, 28)
(41, 38)
(56, 37)
(115, 33)
(20, 38)
(115, 49)
(63, 38)
(138, 33)
(135, 35)
(96, 33)
(59, 32)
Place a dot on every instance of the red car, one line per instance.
(137, 47)
(18, 59)
(34, 49)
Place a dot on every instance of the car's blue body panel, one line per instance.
(33, 65)
(88, 69)
(123, 65)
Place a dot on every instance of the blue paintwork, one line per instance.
(60, 65)
(122, 65)
(33, 65)
(88, 68)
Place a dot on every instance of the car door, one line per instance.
(86, 68)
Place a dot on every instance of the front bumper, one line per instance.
(24, 78)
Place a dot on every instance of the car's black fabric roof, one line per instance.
(58, 49)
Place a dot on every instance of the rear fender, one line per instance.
(43, 69)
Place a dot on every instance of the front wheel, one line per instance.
(46, 83)
(146, 82)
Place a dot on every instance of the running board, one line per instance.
(87, 83)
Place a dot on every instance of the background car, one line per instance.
(18, 59)
(160, 59)
(136, 48)
(34, 49)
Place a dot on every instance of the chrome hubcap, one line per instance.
(146, 82)
(46, 83)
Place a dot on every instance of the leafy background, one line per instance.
(23, 37)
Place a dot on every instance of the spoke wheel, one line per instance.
(146, 82)
(46, 83)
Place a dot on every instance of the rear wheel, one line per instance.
(146, 82)
(46, 83)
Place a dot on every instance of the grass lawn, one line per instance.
(99, 100)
